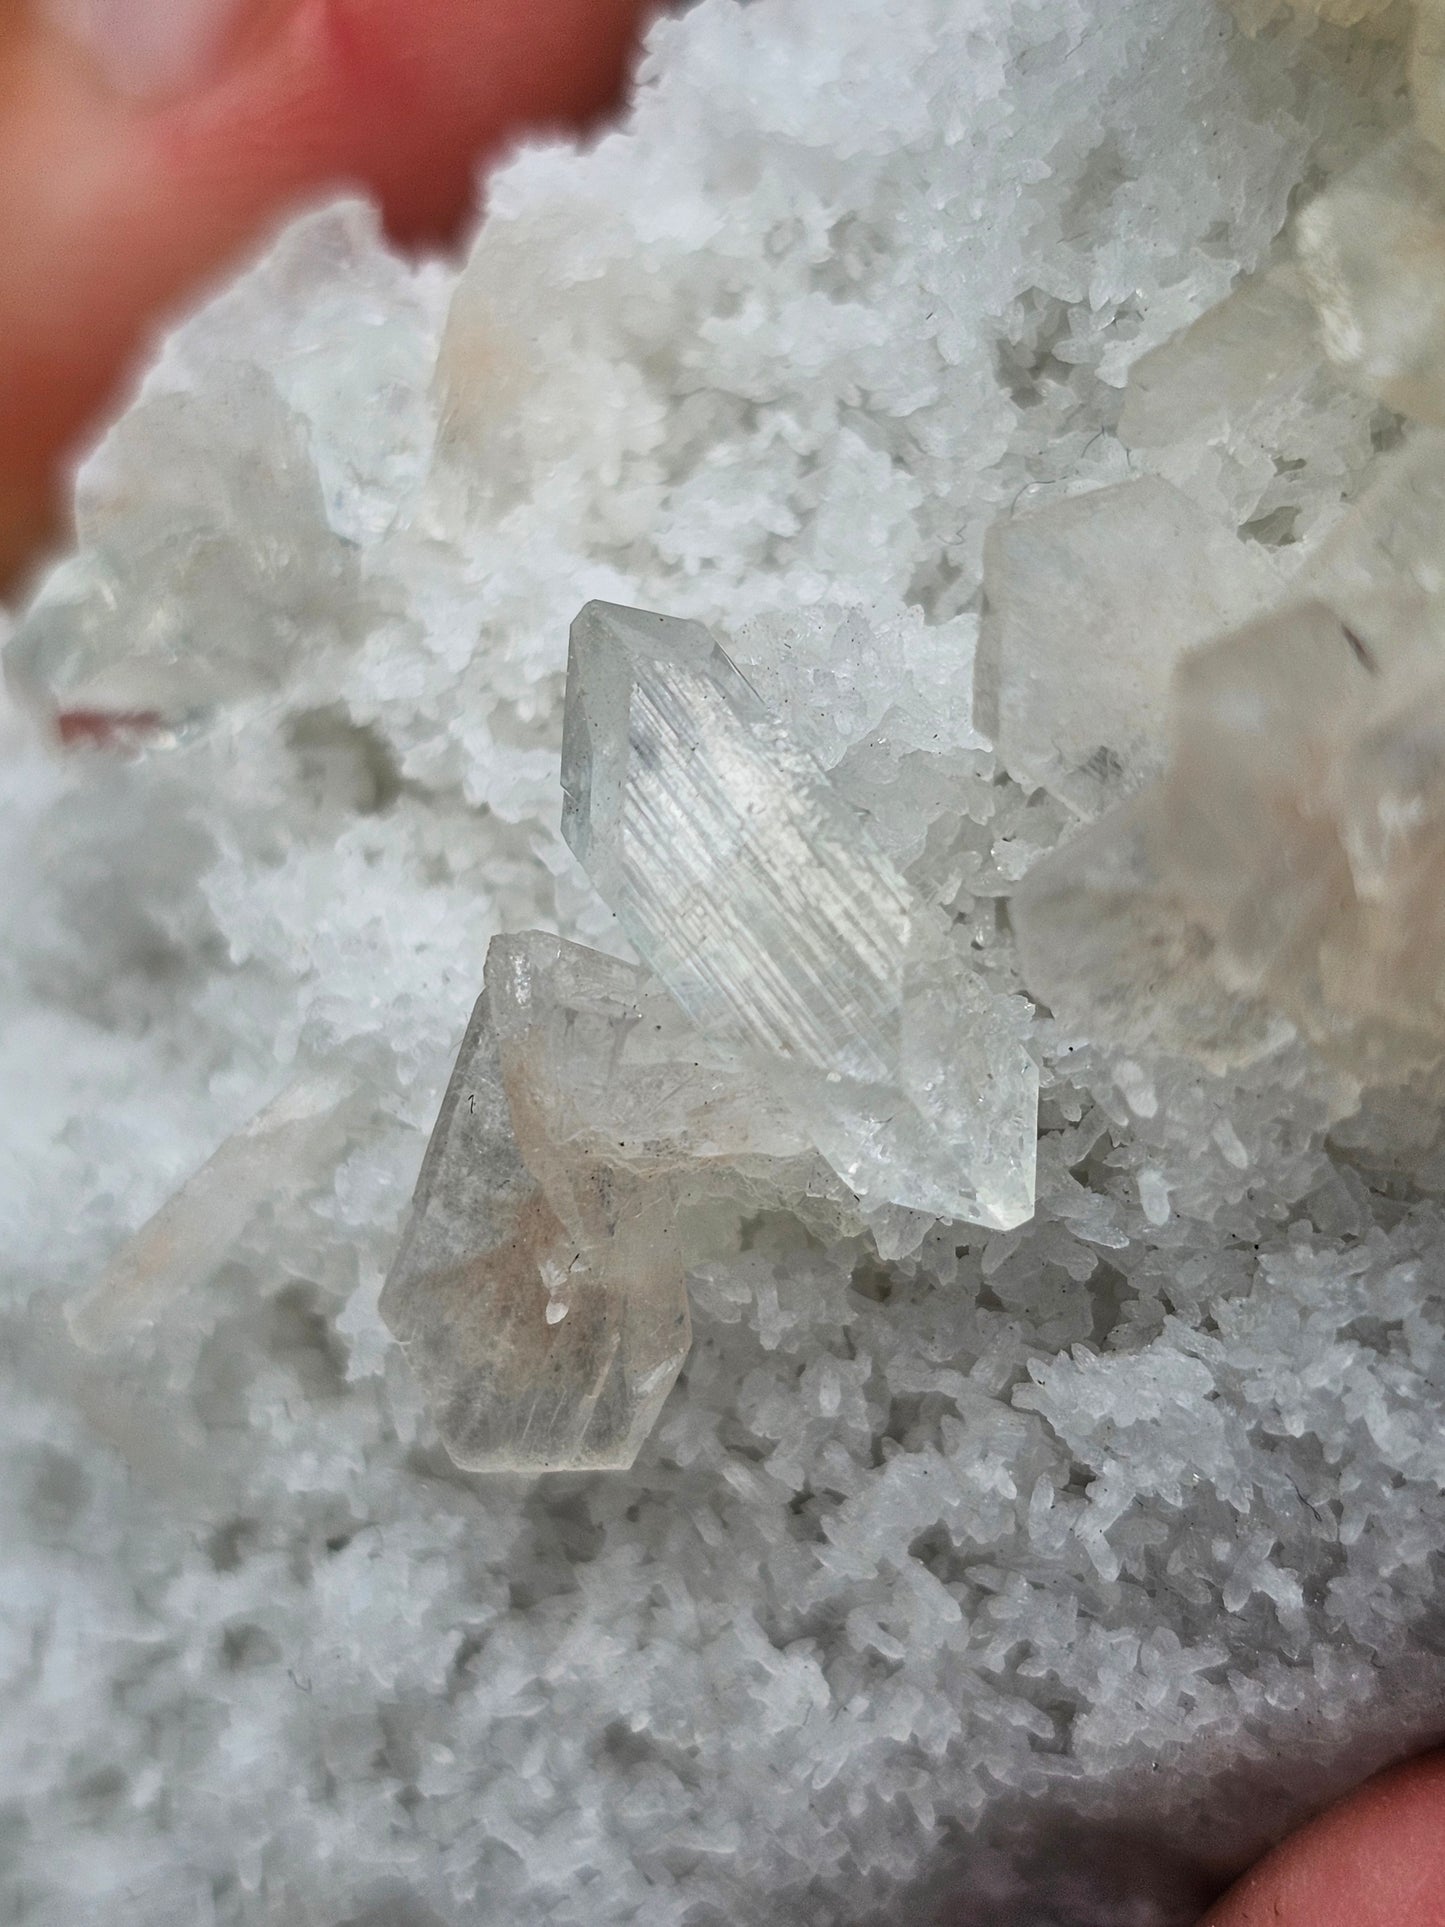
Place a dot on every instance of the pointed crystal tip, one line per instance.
(760, 899)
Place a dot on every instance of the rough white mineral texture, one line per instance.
(1040, 1574)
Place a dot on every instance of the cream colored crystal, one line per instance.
(295, 1142)
(1427, 70)
(1383, 565)
(1258, 349)
(590, 1150)
(1090, 603)
(543, 1311)
(1372, 247)
(1292, 861)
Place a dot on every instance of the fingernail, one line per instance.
(148, 48)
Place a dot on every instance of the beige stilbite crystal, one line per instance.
(590, 1150)
(1090, 603)
(294, 1142)
(1373, 251)
(546, 1328)
(1258, 349)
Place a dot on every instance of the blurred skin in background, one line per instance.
(143, 145)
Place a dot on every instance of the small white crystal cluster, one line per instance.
(1048, 1571)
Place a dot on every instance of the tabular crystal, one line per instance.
(762, 903)
(546, 1323)
(1090, 603)
(1373, 250)
(1257, 350)
(590, 1150)
(1292, 860)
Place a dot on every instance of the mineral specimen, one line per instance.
(590, 1149)
(1090, 603)
(935, 1561)
(762, 903)
(295, 1141)
(1291, 861)
(1373, 250)
(546, 1322)
(600, 1131)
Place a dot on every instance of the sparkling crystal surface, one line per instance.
(748, 886)
(761, 901)
(1090, 603)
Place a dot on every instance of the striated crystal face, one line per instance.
(762, 903)
(1373, 251)
(721, 845)
(1090, 603)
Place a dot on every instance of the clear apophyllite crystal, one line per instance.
(762, 903)
(1090, 603)
(1373, 251)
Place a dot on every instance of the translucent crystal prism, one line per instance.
(292, 1144)
(206, 569)
(1257, 350)
(763, 904)
(1091, 601)
(1373, 251)
(543, 1309)
(1290, 866)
